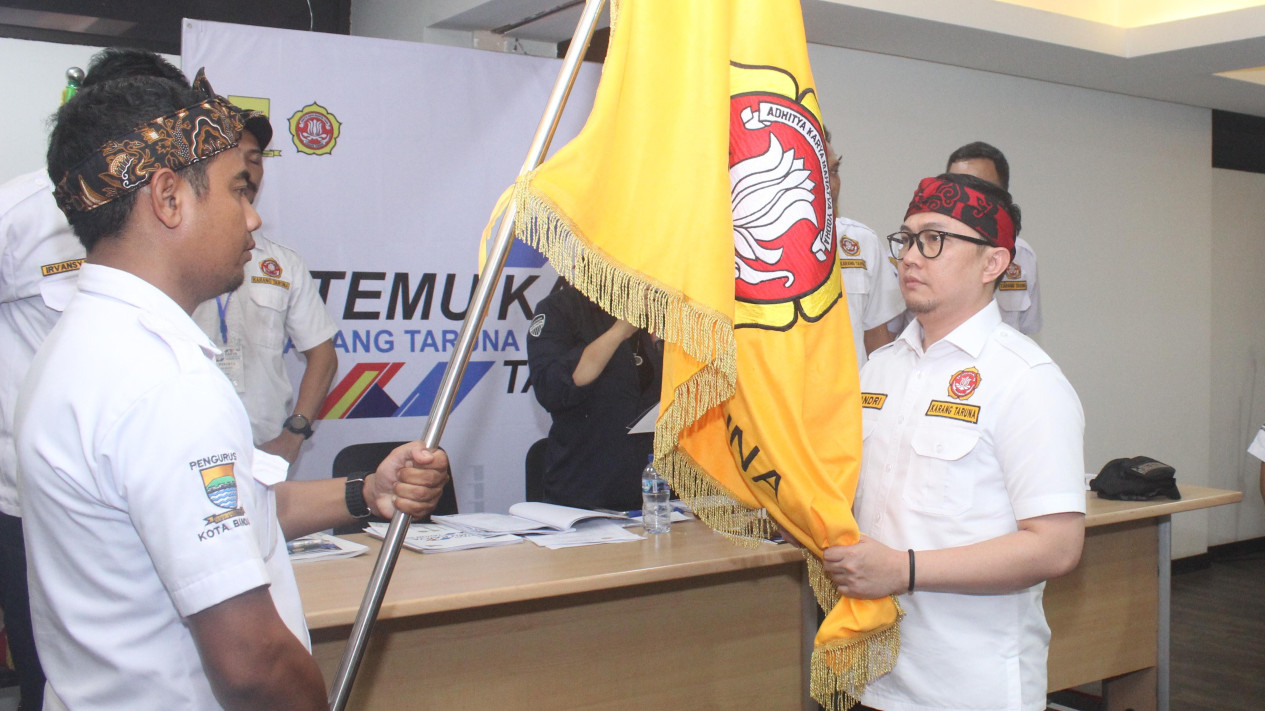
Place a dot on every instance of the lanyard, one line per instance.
(222, 307)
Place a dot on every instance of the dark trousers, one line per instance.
(17, 613)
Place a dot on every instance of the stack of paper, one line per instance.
(437, 538)
(322, 546)
(527, 517)
(586, 533)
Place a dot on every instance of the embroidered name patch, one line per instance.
(270, 280)
(954, 411)
(69, 265)
(874, 401)
(1013, 286)
(852, 264)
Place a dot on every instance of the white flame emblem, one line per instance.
(769, 194)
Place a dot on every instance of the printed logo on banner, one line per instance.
(362, 393)
(315, 130)
(263, 106)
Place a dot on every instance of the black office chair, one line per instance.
(366, 457)
(534, 468)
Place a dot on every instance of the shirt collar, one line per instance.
(160, 311)
(970, 336)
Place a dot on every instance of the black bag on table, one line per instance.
(1136, 479)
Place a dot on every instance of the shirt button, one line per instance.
(889, 467)
(939, 447)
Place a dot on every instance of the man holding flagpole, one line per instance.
(712, 226)
(155, 531)
(971, 493)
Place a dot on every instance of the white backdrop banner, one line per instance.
(385, 162)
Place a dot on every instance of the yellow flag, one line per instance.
(695, 203)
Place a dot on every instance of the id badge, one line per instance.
(231, 362)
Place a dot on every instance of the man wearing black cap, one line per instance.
(277, 301)
(971, 491)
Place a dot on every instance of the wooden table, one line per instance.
(1109, 619)
(692, 620)
(688, 618)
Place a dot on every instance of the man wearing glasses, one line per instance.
(972, 490)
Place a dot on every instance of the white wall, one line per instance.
(33, 75)
(1238, 355)
(1117, 196)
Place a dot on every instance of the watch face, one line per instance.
(297, 422)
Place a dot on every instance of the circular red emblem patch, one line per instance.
(783, 222)
(314, 130)
(849, 246)
(1013, 271)
(270, 267)
(963, 383)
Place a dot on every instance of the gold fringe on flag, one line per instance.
(704, 335)
(760, 427)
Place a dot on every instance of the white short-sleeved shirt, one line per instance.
(1019, 294)
(277, 300)
(145, 501)
(39, 261)
(960, 443)
(873, 292)
(1257, 448)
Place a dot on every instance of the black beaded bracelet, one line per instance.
(911, 570)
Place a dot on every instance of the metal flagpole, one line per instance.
(340, 692)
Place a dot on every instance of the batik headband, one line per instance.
(966, 205)
(174, 141)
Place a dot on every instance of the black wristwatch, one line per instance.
(354, 495)
(298, 424)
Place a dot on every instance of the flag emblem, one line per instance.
(221, 485)
(783, 219)
(963, 383)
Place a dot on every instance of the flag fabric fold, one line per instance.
(695, 204)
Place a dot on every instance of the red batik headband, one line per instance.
(967, 206)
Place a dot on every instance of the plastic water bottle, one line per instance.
(656, 512)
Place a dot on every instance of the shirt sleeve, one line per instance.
(1257, 448)
(308, 323)
(554, 347)
(1041, 449)
(180, 462)
(1030, 319)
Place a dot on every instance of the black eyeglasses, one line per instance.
(930, 242)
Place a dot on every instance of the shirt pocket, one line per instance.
(267, 471)
(57, 291)
(938, 483)
(266, 316)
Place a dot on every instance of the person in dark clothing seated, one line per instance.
(596, 375)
